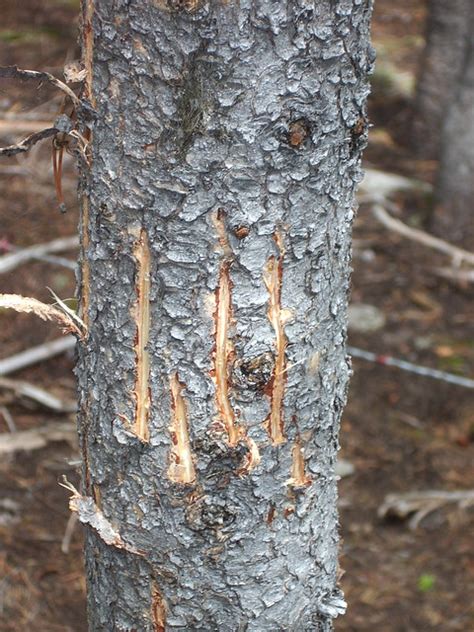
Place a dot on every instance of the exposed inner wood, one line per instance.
(252, 457)
(181, 469)
(298, 473)
(142, 319)
(272, 277)
(223, 349)
(88, 47)
(158, 610)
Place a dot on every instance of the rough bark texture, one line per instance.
(441, 69)
(454, 215)
(216, 225)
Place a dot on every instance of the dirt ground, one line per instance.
(401, 432)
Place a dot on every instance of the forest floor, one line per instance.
(401, 432)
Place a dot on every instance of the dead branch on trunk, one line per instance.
(36, 354)
(14, 125)
(421, 504)
(13, 72)
(27, 143)
(88, 513)
(64, 317)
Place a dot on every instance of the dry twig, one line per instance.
(464, 276)
(8, 418)
(37, 394)
(421, 504)
(36, 354)
(63, 317)
(27, 143)
(13, 72)
(37, 438)
(458, 254)
(13, 260)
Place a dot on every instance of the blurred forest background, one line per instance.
(408, 565)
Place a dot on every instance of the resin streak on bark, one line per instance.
(142, 319)
(181, 469)
(273, 278)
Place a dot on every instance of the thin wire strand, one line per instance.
(386, 360)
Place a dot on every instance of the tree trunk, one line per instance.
(217, 207)
(454, 214)
(447, 35)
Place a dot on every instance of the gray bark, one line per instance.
(454, 215)
(217, 210)
(441, 69)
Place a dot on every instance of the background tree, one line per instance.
(443, 120)
(217, 185)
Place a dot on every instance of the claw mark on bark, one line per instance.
(158, 610)
(224, 348)
(142, 318)
(298, 473)
(88, 46)
(272, 277)
(224, 351)
(88, 513)
(87, 60)
(181, 469)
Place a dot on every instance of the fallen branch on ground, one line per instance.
(36, 354)
(458, 254)
(421, 504)
(464, 276)
(378, 185)
(13, 260)
(39, 395)
(8, 418)
(38, 438)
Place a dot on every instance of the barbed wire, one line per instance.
(386, 360)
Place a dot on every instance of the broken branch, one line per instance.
(88, 513)
(13, 72)
(27, 143)
(45, 312)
